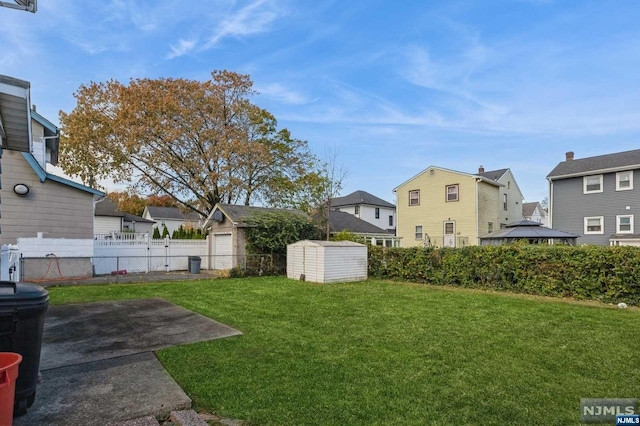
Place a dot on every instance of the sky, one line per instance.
(390, 87)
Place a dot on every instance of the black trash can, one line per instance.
(194, 264)
(22, 308)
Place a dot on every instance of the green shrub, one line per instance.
(608, 274)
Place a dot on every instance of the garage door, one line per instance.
(222, 252)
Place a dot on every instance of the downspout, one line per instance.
(477, 213)
(550, 213)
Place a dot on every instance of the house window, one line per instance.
(377, 213)
(594, 225)
(592, 184)
(357, 211)
(503, 225)
(414, 197)
(390, 220)
(490, 227)
(624, 224)
(624, 181)
(452, 193)
(418, 232)
(504, 202)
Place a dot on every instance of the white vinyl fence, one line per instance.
(147, 255)
(44, 259)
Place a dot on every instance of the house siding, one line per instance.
(489, 208)
(368, 214)
(514, 199)
(434, 210)
(570, 206)
(106, 224)
(57, 210)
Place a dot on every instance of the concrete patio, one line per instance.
(98, 364)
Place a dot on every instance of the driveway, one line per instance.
(98, 364)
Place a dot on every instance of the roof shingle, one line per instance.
(360, 197)
(583, 166)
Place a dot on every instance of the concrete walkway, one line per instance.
(98, 366)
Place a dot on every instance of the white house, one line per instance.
(367, 207)
(534, 212)
(171, 217)
(108, 220)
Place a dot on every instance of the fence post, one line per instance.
(148, 241)
(166, 253)
(4, 263)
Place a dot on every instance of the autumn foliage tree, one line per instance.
(199, 143)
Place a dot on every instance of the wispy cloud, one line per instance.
(183, 47)
(252, 19)
(283, 94)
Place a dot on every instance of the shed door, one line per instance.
(222, 251)
(449, 234)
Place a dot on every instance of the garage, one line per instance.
(222, 251)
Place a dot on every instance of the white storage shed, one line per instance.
(327, 261)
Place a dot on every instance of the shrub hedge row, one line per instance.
(607, 274)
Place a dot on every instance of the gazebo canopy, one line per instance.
(527, 230)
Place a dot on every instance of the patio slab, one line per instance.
(105, 391)
(89, 332)
(98, 364)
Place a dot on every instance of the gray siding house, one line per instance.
(34, 200)
(597, 198)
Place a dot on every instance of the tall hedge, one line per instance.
(608, 274)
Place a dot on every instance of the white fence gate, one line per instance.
(147, 255)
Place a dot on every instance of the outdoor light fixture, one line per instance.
(21, 189)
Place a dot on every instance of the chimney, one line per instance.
(480, 169)
(33, 107)
(569, 155)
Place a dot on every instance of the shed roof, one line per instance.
(527, 229)
(239, 214)
(321, 243)
(360, 197)
(600, 163)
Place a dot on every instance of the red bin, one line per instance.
(9, 363)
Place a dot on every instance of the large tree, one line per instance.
(198, 142)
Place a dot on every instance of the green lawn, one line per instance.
(380, 353)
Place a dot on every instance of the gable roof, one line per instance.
(482, 178)
(529, 208)
(494, 174)
(360, 197)
(238, 214)
(598, 164)
(106, 207)
(43, 176)
(165, 212)
(343, 221)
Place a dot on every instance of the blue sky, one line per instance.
(392, 87)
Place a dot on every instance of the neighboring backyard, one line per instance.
(383, 353)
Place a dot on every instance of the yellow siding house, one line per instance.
(446, 208)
